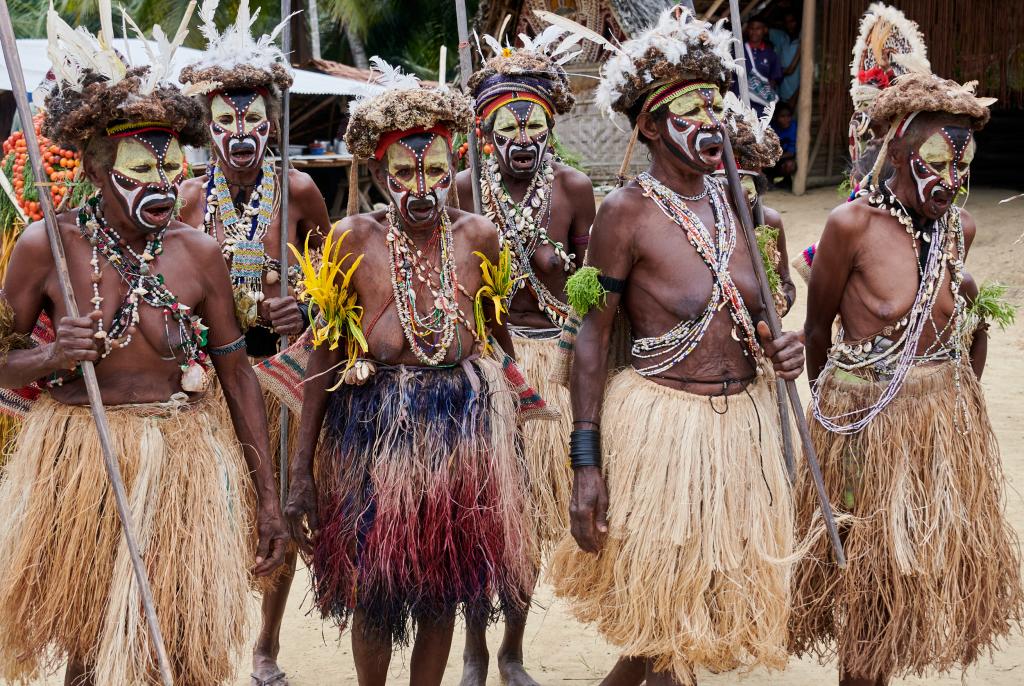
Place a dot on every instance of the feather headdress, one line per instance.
(94, 87)
(234, 58)
(403, 107)
(888, 45)
(678, 47)
(754, 142)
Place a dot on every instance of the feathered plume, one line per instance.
(887, 43)
(236, 46)
(162, 58)
(75, 52)
(391, 78)
(736, 109)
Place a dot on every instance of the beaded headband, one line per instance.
(131, 128)
(391, 136)
(515, 96)
(666, 93)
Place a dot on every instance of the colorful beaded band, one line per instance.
(663, 95)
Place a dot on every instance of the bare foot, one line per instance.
(474, 672)
(265, 672)
(513, 673)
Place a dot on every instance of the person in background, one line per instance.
(786, 43)
(784, 124)
(764, 71)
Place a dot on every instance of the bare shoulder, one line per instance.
(772, 217)
(479, 232)
(193, 188)
(617, 213)
(198, 244)
(359, 230)
(464, 178)
(848, 220)
(300, 183)
(573, 179)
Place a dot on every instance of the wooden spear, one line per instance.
(110, 461)
(780, 386)
(465, 70)
(739, 201)
(286, 48)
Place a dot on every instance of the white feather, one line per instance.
(565, 59)
(525, 42)
(392, 78)
(504, 25)
(479, 49)
(106, 23)
(574, 27)
(493, 44)
(547, 38)
(571, 41)
(236, 46)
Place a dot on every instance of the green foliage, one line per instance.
(79, 191)
(767, 245)
(585, 291)
(844, 189)
(8, 212)
(567, 156)
(991, 305)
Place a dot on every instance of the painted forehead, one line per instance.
(157, 143)
(694, 100)
(417, 144)
(240, 99)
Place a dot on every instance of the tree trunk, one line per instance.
(356, 47)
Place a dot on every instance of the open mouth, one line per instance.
(942, 199)
(421, 210)
(522, 160)
(242, 154)
(157, 212)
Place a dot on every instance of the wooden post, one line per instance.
(465, 70)
(806, 99)
(739, 201)
(92, 387)
(286, 45)
(738, 50)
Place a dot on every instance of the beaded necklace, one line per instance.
(894, 360)
(243, 236)
(675, 345)
(523, 227)
(135, 269)
(430, 335)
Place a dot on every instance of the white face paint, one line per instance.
(148, 166)
(939, 168)
(521, 134)
(419, 176)
(694, 133)
(239, 127)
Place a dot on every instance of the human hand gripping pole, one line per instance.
(739, 201)
(110, 462)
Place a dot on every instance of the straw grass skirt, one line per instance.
(423, 501)
(68, 589)
(547, 442)
(933, 576)
(695, 569)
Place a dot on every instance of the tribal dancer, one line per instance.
(416, 501)
(682, 534)
(543, 210)
(153, 288)
(888, 45)
(239, 80)
(933, 576)
(756, 147)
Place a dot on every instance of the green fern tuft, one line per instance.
(767, 245)
(585, 291)
(991, 305)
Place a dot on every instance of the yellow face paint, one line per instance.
(243, 123)
(137, 162)
(704, 106)
(419, 175)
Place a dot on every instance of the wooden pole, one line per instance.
(99, 415)
(780, 386)
(465, 70)
(353, 188)
(286, 46)
(711, 10)
(805, 100)
(739, 200)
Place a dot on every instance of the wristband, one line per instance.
(585, 448)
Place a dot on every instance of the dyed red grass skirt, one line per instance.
(422, 499)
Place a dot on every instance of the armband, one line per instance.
(237, 344)
(585, 448)
(588, 288)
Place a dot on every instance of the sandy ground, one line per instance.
(559, 650)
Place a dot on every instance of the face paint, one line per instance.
(939, 168)
(521, 137)
(239, 127)
(419, 176)
(694, 135)
(148, 166)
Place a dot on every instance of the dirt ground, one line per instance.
(561, 651)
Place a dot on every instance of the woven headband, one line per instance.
(390, 137)
(666, 93)
(515, 96)
(131, 128)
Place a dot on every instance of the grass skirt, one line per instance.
(68, 587)
(933, 575)
(695, 569)
(547, 442)
(422, 499)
